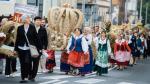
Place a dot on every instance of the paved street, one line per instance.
(139, 74)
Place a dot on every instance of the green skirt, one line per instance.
(100, 70)
(101, 62)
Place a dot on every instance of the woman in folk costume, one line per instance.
(120, 49)
(64, 66)
(103, 51)
(77, 48)
(88, 68)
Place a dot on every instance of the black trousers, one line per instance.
(29, 65)
(10, 65)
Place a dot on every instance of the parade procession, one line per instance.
(74, 42)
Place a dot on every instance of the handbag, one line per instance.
(33, 50)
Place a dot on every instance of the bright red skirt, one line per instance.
(78, 59)
(50, 61)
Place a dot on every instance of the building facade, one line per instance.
(7, 7)
(124, 11)
(95, 11)
(132, 12)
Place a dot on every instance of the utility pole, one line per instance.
(37, 3)
(146, 13)
(83, 6)
(126, 10)
(83, 10)
(141, 10)
(111, 10)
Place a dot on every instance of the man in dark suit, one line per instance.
(42, 36)
(97, 31)
(42, 33)
(29, 65)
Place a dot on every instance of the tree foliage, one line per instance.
(145, 4)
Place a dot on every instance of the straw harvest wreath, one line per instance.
(64, 19)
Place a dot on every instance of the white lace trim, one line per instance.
(101, 64)
(102, 41)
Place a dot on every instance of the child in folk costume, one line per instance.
(64, 66)
(120, 49)
(77, 48)
(103, 51)
(88, 68)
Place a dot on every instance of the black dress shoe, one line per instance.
(51, 71)
(82, 75)
(32, 80)
(118, 68)
(131, 65)
(23, 81)
(66, 73)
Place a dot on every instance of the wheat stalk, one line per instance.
(48, 17)
(73, 19)
(80, 18)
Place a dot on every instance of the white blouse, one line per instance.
(97, 40)
(89, 38)
(84, 43)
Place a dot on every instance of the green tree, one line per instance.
(145, 4)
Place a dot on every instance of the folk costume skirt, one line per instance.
(64, 66)
(50, 61)
(78, 59)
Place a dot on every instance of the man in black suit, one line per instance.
(42, 33)
(29, 65)
(97, 31)
(42, 36)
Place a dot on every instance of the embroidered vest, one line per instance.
(102, 47)
(76, 44)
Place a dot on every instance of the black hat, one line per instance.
(37, 17)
